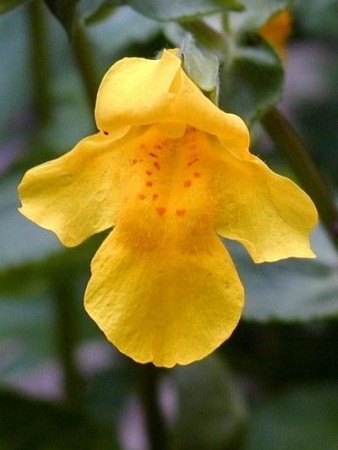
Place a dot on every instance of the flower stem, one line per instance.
(67, 333)
(39, 60)
(155, 427)
(290, 145)
(85, 61)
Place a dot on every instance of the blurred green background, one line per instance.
(274, 384)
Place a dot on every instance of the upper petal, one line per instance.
(134, 91)
(77, 194)
(138, 91)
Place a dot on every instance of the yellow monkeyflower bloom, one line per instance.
(277, 31)
(171, 172)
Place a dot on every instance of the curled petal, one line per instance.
(126, 97)
(269, 214)
(135, 91)
(164, 304)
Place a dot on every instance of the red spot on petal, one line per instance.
(193, 161)
(148, 172)
(149, 183)
(187, 183)
(155, 196)
(180, 212)
(160, 210)
(197, 174)
(190, 130)
(133, 161)
(141, 196)
(106, 133)
(156, 164)
(153, 155)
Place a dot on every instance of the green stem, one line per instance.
(39, 60)
(85, 60)
(288, 142)
(155, 427)
(67, 336)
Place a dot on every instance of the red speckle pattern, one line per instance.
(160, 210)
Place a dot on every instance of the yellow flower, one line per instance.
(170, 171)
(277, 31)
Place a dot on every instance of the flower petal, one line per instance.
(135, 91)
(77, 194)
(277, 30)
(126, 97)
(165, 304)
(269, 214)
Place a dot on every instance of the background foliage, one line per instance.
(274, 384)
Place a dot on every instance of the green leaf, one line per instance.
(164, 10)
(255, 14)
(304, 418)
(14, 87)
(133, 35)
(7, 5)
(64, 11)
(202, 67)
(211, 412)
(110, 389)
(252, 82)
(318, 18)
(20, 240)
(27, 339)
(33, 424)
(294, 290)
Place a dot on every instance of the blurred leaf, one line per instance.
(20, 239)
(7, 5)
(318, 17)
(202, 67)
(133, 36)
(64, 11)
(25, 332)
(164, 10)
(71, 118)
(252, 82)
(211, 412)
(255, 14)
(94, 11)
(304, 418)
(14, 88)
(109, 390)
(32, 424)
(291, 290)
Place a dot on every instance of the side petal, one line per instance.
(269, 214)
(77, 194)
(164, 305)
